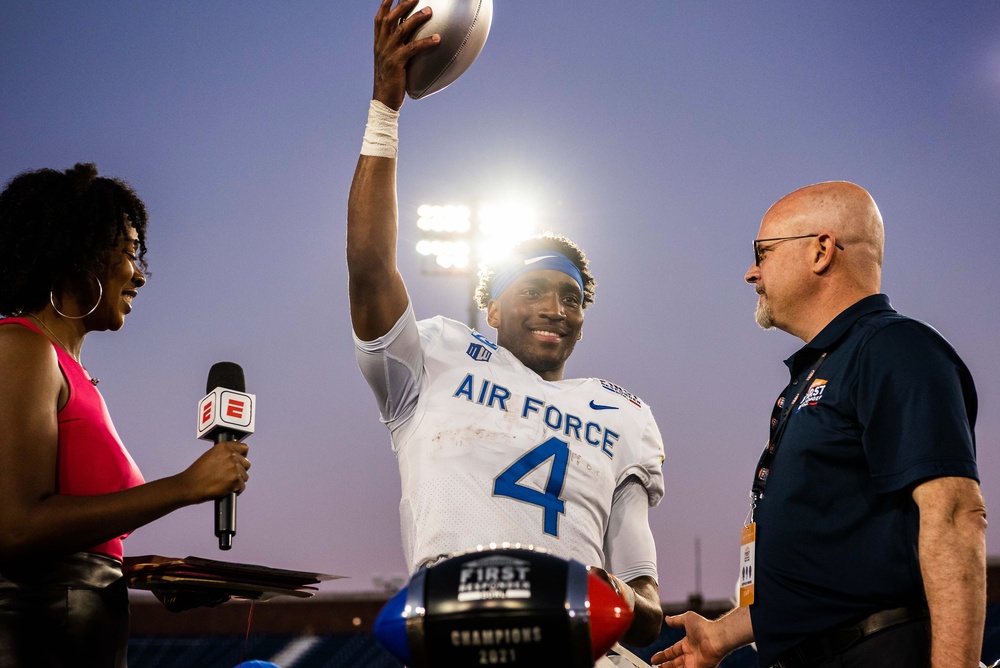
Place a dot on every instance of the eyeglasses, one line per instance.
(757, 242)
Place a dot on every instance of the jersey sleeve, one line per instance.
(917, 404)
(393, 366)
(629, 549)
(647, 464)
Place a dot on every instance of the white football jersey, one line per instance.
(489, 452)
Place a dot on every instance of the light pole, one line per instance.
(455, 243)
(447, 242)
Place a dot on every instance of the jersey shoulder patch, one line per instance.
(621, 391)
(455, 338)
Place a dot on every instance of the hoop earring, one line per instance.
(100, 294)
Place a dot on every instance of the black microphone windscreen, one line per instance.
(228, 375)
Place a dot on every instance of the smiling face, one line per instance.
(539, 318)
(120, 281)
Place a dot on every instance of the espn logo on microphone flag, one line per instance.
(226, 409)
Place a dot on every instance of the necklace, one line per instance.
(34, 317)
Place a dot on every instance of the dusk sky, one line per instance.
(655, 133)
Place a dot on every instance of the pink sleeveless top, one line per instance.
(92, 459)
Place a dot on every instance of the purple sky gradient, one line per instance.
(656, 136)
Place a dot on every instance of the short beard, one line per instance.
(763, 315)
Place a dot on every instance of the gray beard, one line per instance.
(763, 315)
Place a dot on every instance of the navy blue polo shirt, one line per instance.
(890, 406)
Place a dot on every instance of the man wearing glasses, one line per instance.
(865, 541)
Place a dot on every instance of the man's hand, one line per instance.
(392, 52)
(707, 642)
(642, 595)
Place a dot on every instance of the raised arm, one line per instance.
(377, 293)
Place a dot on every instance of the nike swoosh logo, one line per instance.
(602, 407)
(533, 260)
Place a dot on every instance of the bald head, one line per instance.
(818, 251)
(844, 209)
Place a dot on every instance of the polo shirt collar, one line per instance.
(839, 326)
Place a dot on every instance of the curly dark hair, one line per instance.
(56, 223)
(529, 246)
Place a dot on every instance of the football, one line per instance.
(463, 26)
(509, 606)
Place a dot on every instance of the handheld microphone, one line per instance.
(226, 414)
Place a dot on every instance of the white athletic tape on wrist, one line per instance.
(382, 132)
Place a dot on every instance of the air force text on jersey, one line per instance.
(490, 395)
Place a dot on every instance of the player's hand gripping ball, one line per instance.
(463, 26)
(512, 607)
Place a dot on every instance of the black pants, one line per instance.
(907, 645)
(71, 611)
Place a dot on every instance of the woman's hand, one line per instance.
(222, 469)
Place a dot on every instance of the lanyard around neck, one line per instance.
(780, 416)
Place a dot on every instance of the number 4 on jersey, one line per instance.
(508, 483)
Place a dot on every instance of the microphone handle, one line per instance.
(225, 507)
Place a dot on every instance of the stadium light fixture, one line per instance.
(455, 243)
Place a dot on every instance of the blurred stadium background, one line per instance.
(333, 630)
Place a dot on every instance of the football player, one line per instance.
(494, 444)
